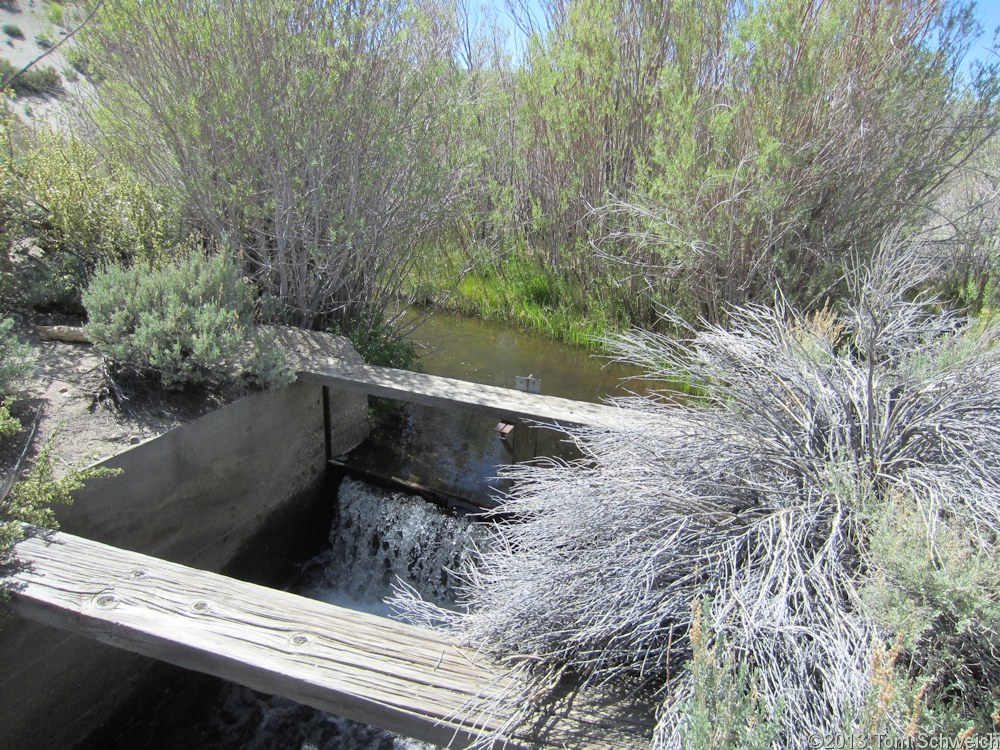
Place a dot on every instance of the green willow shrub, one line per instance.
(769, 164)
(317, 140)
(67, 209)
(710, 152)
(187, 323)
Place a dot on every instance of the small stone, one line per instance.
(134, 440)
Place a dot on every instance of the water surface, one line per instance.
(454, 452)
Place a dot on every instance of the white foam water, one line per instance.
(383, 537)
(380, 537)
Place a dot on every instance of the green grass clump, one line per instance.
(517, 291)
(522, 293)
(13, 31)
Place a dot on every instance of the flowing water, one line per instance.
(381, 537)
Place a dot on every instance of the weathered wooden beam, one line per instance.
(434, 390)
(70, 334)
(363, 667)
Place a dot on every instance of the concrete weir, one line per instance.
(139, 570)
(204, 495)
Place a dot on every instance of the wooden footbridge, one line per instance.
(403, 678)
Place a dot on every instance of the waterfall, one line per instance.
(378, 536)
(382, 537)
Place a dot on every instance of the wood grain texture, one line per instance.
(433, 390)
(360, 666)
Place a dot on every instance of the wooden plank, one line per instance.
(70, 334)
(363, 667)
(434, 390)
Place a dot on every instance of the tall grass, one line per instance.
(519, 291)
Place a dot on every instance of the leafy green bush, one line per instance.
(187, 323)
(56, 13)
(15, 358)
(65, 209)
(31, 499)
(9, 424)
(38, 81)
(380, 343)
(13, 31)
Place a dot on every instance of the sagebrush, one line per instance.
(762, 496)
(188, 323)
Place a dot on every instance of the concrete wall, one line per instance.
(202, 495)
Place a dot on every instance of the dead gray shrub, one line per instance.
(751, 497)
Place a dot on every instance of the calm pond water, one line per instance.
(491, 353)
(458, 453)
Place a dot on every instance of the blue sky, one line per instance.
(987, 12)
(988, 15)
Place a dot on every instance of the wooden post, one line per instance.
(525, 442)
